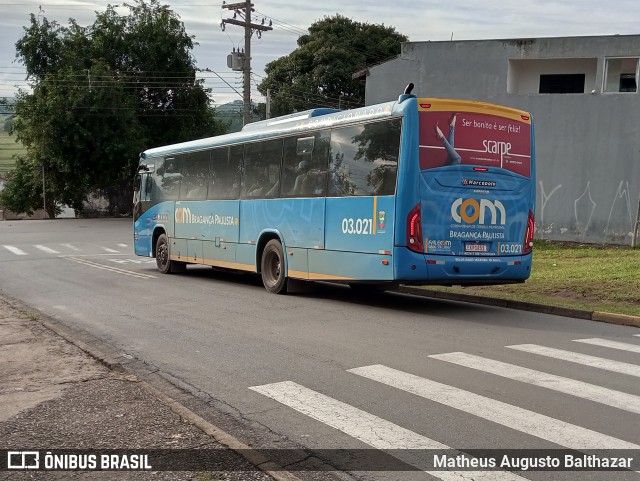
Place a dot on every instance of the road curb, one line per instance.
(224, 438)
(612, 318)
(116, 361)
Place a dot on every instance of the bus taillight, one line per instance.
(414, 229)
(528, 235)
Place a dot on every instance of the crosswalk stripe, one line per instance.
(15, 250)
(591, 392)
(107, 249)
(623, 346)
(370, 429)
(46, 249)
(117, 270)
(514, 417)
(584, 359)
(70, 246)
(123, 245)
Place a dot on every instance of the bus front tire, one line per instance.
(163, 261)
(272, 268)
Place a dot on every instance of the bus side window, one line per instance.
(261, 173)
(320, 162)
(383, 180)
(224, 169)
(304, 166)
(295, 163)
(341, 180)
(148, 188)
(314, 183)
(167, 178)
(364, 159)
(236, 162)
(157, 193)
(195, 176)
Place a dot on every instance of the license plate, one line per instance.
(475, 247)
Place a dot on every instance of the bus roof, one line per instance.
(296, 116)
(287, 124)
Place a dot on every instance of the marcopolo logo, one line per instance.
(471, 211)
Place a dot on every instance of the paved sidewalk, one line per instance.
(54, 396)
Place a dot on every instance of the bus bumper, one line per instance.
(414, 267)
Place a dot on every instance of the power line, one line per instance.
(294, 92)
(137, 74)
(88, 5)
(288, 27)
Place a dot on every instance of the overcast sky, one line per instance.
(420, 20)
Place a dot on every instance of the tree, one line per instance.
(23, 190)
(5, 110)
(319, 72)
(8, 124)
(102, 94)
(378, 140)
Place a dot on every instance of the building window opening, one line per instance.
(628, 82)
(621, 75)
(562, 83)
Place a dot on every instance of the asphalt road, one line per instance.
(327, 370)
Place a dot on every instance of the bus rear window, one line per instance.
(449, 138)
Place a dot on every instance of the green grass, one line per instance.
(594, 278)
(8, 148)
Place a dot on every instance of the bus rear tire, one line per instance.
(272, 268)
(163, 260)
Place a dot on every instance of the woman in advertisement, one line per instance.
(453, 157)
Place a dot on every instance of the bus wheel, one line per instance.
(272, 268)
(163, 262)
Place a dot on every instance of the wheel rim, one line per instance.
(162, 256)
(273, 268)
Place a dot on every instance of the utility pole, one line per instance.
(244, 9)
(44, 196)
(268, 106)
(636, 228)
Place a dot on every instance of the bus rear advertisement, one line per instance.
(416, 191)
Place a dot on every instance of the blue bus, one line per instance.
(414, 191)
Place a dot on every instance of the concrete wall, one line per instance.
(587, 145)
(8, 215)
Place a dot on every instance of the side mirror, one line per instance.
(149, 184)
(136, 184)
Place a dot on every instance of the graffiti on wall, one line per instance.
(586, 223)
